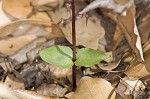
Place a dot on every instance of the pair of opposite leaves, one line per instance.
(61, 56)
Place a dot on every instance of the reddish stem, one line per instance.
(74, 45)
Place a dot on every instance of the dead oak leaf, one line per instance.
(93, 88)
(17, 8)
(139, 70)
(49, 2)
(12, 45)
(87, 35)
(129, 28)
(10, 27)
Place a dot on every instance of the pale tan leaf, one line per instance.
(41, 15)
(25, 94)
(59, 72)
(14, 83)
(3, 17)
(93, 88)
(54, 31)
(6, 93)
(9, 28)
(17, 8)
(121, 1)
(68, 95)
(110, 66)
(87, 36)
(137, 71)
(12, 45)
(138, 40)
(28, 51)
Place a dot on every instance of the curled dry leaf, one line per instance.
(9, 28)
(14, 83)
(12, 45)
(129, 28)
(116, 5)
(112, 62)
(93, 88)
(88, 36)
(110, 66)
(17, 8)
(25, 94)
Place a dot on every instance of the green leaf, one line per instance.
(88, 57)
(57, 55)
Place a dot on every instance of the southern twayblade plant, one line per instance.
(61, 56)
(65, 57)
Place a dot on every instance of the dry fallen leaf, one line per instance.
(117, 7)
(3, 17)
(129, 28)
(87, 36)
(14, 83)
(41, 15)
(23, 53)
(9, 28)
(17, 8)
(25, 94)
(12, 45)
(93, 88)
(53, 3)
(6, 93)
(139, 70)
(110, 66)
(59, 72)
(144, 30)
